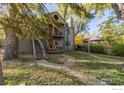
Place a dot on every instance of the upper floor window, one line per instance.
(56, 17)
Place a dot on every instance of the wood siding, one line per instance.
(25, 46)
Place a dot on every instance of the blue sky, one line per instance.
(51, 6)
(93, 25)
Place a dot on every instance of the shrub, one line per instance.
(118, 50)
(95, 48)
(85, 47)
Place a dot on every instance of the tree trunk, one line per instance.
(34, 48)
(43, 49)
(1, 74)
(11, 45)
(119, 10)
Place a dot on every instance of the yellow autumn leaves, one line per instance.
(78, 40)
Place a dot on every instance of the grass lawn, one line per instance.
(19, 73)
(111, 57)
(110, 73)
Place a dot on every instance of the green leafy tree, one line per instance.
(119, 10)
(111, 30)
(87, 9)
(13, 23)
(24, 20)
(80, 23)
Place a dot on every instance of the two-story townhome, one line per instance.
(62, 38)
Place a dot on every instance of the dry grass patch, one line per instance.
(19, 73)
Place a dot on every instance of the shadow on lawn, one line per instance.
(112, 74)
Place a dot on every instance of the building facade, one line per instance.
(62, 38)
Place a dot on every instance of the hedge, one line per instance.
(95, 48)
(118, 50)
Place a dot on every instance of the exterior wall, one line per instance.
(61, 41)
(60, 19)
(25, 46)
(70, 34)
(65, 42)
(65, 39)
(61, 29)
(71, 39)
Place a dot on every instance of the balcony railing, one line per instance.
(55, 32)
(55, 45)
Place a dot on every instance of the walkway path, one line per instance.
(85, 79)
(105, 60)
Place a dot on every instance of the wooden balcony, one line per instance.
(55, 48)
(57, 34)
